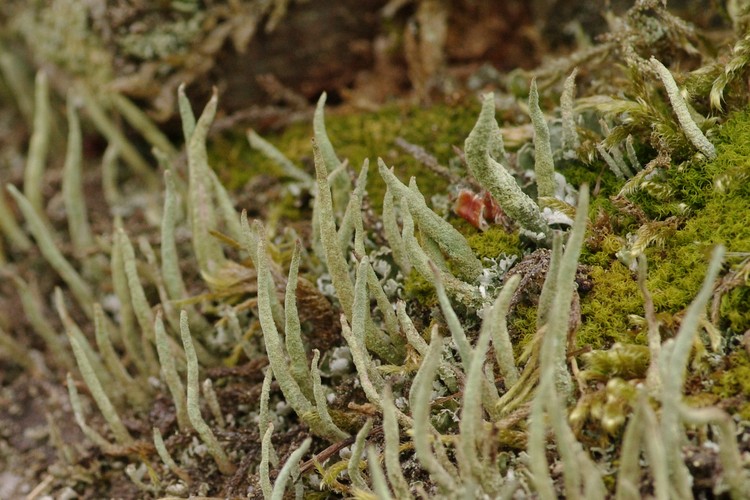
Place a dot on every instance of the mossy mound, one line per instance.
(359, 136)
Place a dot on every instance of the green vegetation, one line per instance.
(365, 314)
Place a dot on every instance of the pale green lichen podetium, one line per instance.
(213, 402)
(570, 140)
(45, 241)
(496, 321)
(734, 474)
(14, 351)
(357, 449)
(269, 151)
(193, 403)
(619, 169)
(419, 402)
(135, 393)
(451, 318)
(91, 434)
(109, 170)
(161, 450)
(339, 182)
(207, 250)
(673, 361)
(653, 377)
(693, 133)
(98, 391)
(555, 384)
(392, 234)
(629, 476)
(115, 137)
(353, 208)
(558, 319)
(9, 226)
(141, 307)
(460, 290)
(544, 165)
(266, 449)
(377, 476)
(450, 241)
(72, 185)
(293, 329)
(165, 350)
(319, 424)
(264, 414)
(392, 446)
(72, 330)
(321, 401)
(141, 122)
(360, 317)
(336, 262)
(170, 267)
(470, 425)
(286, 471)
(33, 174)
(496, 179)
(276, 356)
(31, 304)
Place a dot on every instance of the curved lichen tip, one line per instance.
(496, 179)
(680, 107)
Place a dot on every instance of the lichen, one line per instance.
(629, 278)
(358, 136)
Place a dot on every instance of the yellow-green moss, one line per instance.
(230, 155)
(522, 326)
(691, 184)
(605, 309)
(357, 136)
(627, 361)
(577, 173)
(677, 270)
(609, 245)
(495, 242)
(734, 307)
(734, 381)
(419, 289)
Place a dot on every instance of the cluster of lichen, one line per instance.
(125, 45)
(449, 410)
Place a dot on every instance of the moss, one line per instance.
(734, 382)
(626, 361)
(686, 187)
(677, 270)
(610, 481)
(734, 146)
(495, 242)
(605, 309)
(608, 246)
(597, 173)
(420, 290)
(522, 326)
(230, 156)
(604, 240)
(734, 309)
(677, 267)
(357, 136)
(691, 184)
